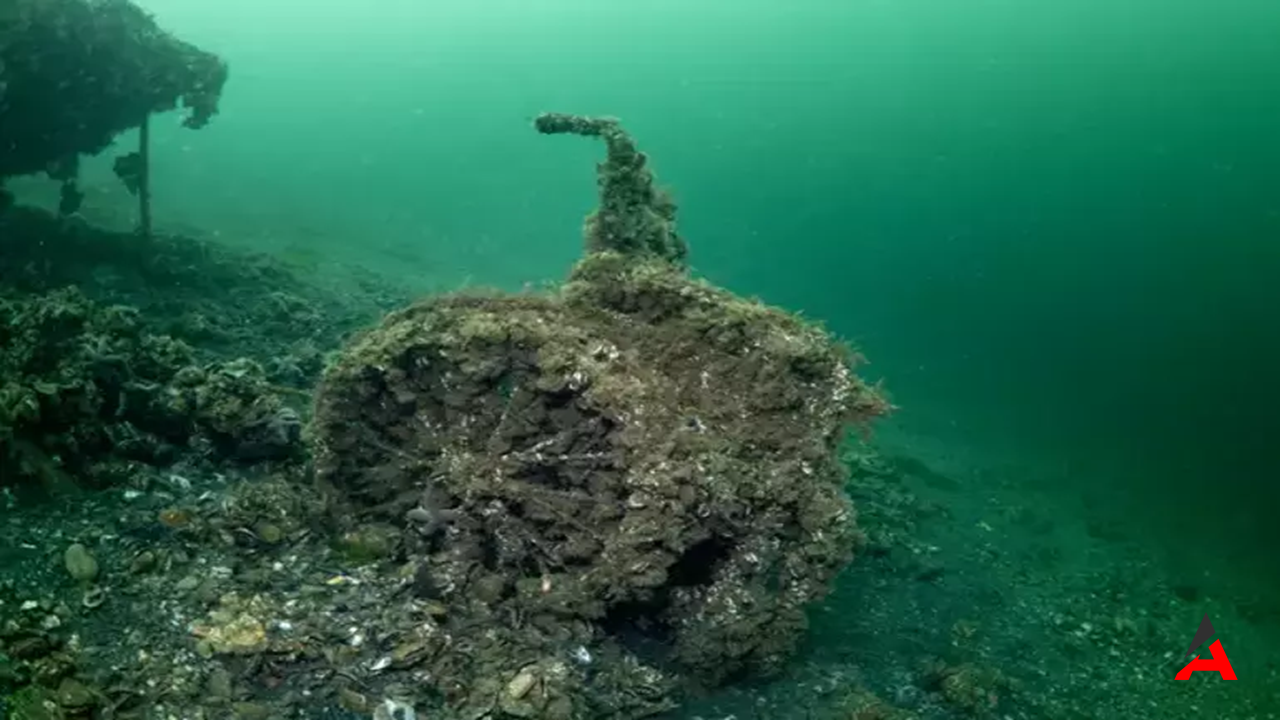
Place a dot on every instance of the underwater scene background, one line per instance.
(1050, 227)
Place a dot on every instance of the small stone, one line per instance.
(239, 635)
(174, 517)
(80, 563)
(521, 684)
(209, 589)
(219, 684)
(190, 582)
(352, 701)
(517, 708)
(409, 653)
(560, 708)
(269, 533)
(369, 544)
(490, 588)
(73, 694)
(143, 562)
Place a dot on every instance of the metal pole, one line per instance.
(144, 177)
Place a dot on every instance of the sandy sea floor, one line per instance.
(988, 587)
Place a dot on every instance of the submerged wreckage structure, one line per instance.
(74, 74)
(610, 490)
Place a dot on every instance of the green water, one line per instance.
(1052, 226)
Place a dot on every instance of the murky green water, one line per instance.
(1052, 227)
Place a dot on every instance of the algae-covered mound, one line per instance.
(75, 73)
(630, 480)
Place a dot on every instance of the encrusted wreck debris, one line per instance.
(607, 490)
(88, 394)
(74, 74)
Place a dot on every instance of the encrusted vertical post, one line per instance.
(144, 177)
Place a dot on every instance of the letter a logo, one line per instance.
(1219, 664)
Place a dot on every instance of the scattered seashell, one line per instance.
(394, 710)
(93, 597)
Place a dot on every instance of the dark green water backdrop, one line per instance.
(1053, 226)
